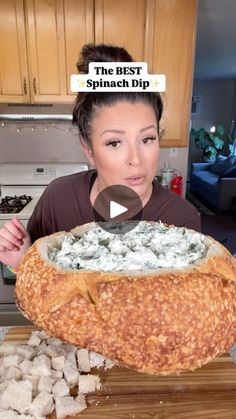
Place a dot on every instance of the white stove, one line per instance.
(13, 197)
(17, 180)
(19, 183)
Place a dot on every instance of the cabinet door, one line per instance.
(14, 79)
(57, 30)
(79, 30)
(122, 23)
(46, 49)
(171, 52)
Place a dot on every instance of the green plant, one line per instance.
(211, 142)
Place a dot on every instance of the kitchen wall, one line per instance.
(30, 142)
(216, 103)
(33, 142)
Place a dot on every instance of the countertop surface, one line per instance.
(3, 332)
(208, 392)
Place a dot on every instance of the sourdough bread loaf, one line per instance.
(158, 299)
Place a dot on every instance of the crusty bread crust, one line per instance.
(158, 321)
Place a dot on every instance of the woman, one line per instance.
(119, 134)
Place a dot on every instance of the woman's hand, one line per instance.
(14, 241)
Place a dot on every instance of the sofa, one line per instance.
(215, 183)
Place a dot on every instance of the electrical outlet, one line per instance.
(173, 152)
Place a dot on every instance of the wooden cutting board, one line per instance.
(209, 392)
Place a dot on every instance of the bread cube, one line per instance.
(42, 405)
(60, 389)
(41, 349)
(45, 384)
(58, 362)
(108, 364)
(2, 369)
(26, 366)
(12, 373)
(71, 375)
(42, 334)
(66, 406)
(9, 414)
(7, 349)
(89, 383)
(12, 360)
(69, 348)
(42, 364)
(26, 351)
(83, 360)
(4, 405)
(56, 375)
(4, 385)
(54, 341)
(96, 360)
(71, 359)
(55, 350)
(18, 395)
(34, 339)
(34, 379)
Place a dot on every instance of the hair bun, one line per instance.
(101, 53)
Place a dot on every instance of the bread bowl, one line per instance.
(160, 320)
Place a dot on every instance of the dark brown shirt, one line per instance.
(65, 204)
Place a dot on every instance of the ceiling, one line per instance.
(216, 40)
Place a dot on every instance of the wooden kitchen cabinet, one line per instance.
(14, 76)
(171, 52)
(56, 31)
(41, 40)
(46, 49)
(79, 30)
(47, 35)
(122, 23)
(163, 33)
(39, 47)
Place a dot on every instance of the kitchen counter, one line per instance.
(3, 332)
(208, 392)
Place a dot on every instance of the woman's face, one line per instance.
(125, 146)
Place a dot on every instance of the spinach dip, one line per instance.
(147, 246)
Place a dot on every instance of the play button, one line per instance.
(117, 209)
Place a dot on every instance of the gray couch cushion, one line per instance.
(223, 166)
(230, 172)
(218, 166)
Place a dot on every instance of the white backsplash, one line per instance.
(29, 142)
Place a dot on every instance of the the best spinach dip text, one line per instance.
(147, 246)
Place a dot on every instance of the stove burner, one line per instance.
(14, 204)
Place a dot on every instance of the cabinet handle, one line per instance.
(24, 86)
(34, 86)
